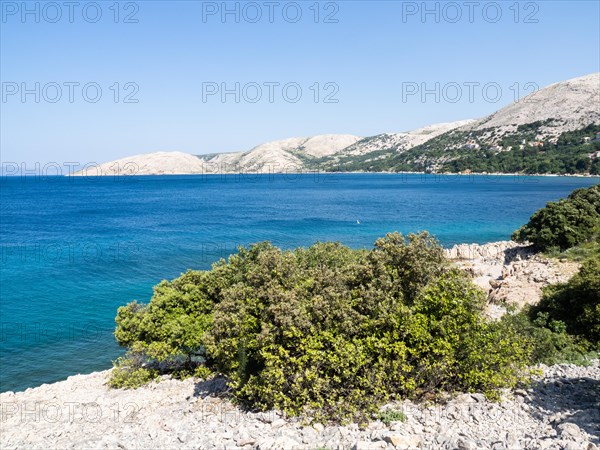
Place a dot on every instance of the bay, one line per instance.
(74, 249)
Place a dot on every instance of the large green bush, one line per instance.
(564, 224)
(328, 331)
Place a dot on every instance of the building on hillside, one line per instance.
(594, 155)
(471, 145)
(535, 144)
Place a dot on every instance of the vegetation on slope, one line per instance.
(522, 151)
(575, 303)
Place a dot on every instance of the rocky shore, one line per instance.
(511, 273)
(561, 410)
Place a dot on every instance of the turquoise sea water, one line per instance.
(74, 249)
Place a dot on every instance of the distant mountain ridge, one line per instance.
(549, 131)
(279, 156)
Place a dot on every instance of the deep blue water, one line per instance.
(74, 249)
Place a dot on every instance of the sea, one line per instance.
(73, 249)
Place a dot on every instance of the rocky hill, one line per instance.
(565, 106)
(553, 130)
(158, 163)
(289, 155)
(400, 141)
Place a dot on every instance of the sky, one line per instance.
(96, 81)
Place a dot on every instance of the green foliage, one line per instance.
(335, 332)
(569, 154)
(200, 371)
(166, 334)
(171, 326)
(128, 375)
(566, 223)
(547, 337)
(576, 303)
(565, 325)
(326, 331)
(387, 417)
(580, 253)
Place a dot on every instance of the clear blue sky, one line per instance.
(172, 50)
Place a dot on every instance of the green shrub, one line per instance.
(564, 224)
(549, 342)
(336, 333)
(387, 417)
(170, 328)
(199, 371)
(327, 331)
(575, 303)
(128, 375)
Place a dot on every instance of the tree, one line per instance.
(565, 223)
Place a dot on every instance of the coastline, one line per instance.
(497, 267)
(80, 174)
(313, 172)
(558, 411)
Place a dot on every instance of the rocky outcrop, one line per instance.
(569, 104)
(511, 274)
(560, 411)
(491, 252)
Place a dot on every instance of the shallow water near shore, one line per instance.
(74, 249)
